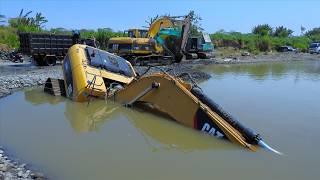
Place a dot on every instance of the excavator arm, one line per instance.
(174, 97)
(171, 35)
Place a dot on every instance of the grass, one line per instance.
(257, 43)
(8, 36)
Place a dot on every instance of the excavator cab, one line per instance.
(199, 47)
(134, 43)
(136, 33)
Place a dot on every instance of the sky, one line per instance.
(230, 15)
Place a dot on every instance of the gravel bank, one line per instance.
(15, 76)
(269, 57)
(175, 70)
(10, 169)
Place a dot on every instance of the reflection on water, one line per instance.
(71, 140)
(261, 71)
(85, 118)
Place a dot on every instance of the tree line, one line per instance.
(265, 38)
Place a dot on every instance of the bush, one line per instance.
(314, 34)
(9, 37)
(262, 30)
(302, 43)
(264, 44)
(255, 42)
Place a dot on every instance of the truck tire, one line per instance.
(39, 60)
(50, 60)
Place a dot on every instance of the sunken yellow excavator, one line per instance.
(90, 72)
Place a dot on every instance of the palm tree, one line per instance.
(39, 20)
(23, 19)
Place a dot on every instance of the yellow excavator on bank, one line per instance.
(93, 73)
(164, 42)
(134, 43)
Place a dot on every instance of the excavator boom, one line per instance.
(171, 34)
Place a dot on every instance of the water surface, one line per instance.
(70, 140)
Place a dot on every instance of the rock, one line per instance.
(8, 176)
(26, 174)
(22, 165)
(245, 53)
(3, 167)
(36, 175)
(20, 173)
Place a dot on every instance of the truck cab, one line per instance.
(314, 48)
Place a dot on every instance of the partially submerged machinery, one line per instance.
(90, 72)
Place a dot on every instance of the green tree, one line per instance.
(314, 34)
(39, 20)
(196, 26)
(24, 22)
(262, 30)
(23, 19)
(282, 31)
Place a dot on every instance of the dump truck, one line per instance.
(91, 73)
(47, 49)
(165, 42)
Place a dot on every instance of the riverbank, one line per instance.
(10, 169)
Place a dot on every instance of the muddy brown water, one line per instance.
(68, 140)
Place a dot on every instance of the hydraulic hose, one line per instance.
(251, 136)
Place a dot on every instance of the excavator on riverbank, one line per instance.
(92, 73)
(163, 43)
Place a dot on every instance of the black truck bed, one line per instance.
(45, 44)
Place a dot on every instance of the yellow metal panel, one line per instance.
(155, 26)
(177, 101)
